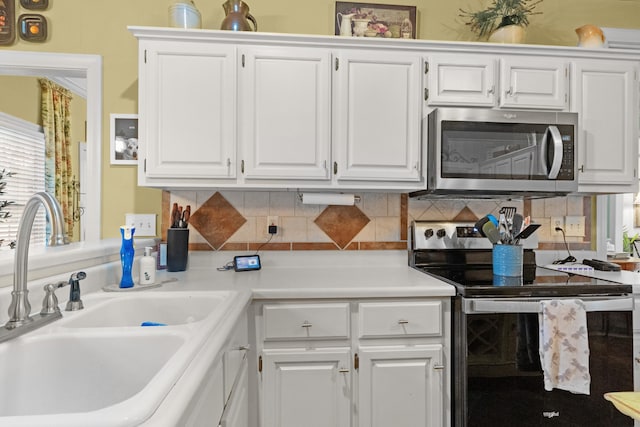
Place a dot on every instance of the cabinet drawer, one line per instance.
(302, 321)
(400, 319)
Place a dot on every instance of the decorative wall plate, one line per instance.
(35, 4)
(7, 21)
(32, 27)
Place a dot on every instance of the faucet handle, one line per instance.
(50, 301)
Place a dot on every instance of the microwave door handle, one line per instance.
(556, 140)
(533, 306)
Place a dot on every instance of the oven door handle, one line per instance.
(533, 306)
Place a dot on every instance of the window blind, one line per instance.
(22, 153)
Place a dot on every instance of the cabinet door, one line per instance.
(285, 112)
(540, 83)
(467, 80)
(236, 411)
(378, 112)
(187, 110)
(606, 99)
(401, 387)
(310, 388)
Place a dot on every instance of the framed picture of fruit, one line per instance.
(375, 20)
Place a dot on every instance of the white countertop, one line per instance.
(313, 274)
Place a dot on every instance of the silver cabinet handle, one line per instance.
(402, 322)
(438, 367)
(343, 371)
(306, 324)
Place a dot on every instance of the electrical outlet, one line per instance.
(272, 221)
(145, 224)
(574, 226)
(556, 221)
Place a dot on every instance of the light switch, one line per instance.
(145, 224)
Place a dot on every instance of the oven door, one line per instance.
(502, 150)
(497, 374)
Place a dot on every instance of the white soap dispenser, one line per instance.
(147, 267)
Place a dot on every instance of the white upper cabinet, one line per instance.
(284, 96)
(534, 83)
(377, 116)
(461, 80)
(606, 99)
(279, 111)
(478, 80)
(187, 109)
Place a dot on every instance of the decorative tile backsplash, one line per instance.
(237, 220)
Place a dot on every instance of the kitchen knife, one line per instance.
(528, 231)
(491, 232)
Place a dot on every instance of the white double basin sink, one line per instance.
(99, 366)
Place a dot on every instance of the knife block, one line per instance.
(177, 249)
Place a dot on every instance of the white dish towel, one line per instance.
(564, 345)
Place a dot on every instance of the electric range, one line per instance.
(495, 370)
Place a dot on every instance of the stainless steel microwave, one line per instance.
(474, 152)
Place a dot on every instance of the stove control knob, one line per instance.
(428, 233)
(441, 233)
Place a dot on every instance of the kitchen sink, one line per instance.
(99, 367)
(74, 373)
(157, 308)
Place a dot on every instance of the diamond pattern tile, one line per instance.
(342, 223)
(467, 215)
(216, 220)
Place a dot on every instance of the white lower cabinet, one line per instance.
(365, 363)
(236, 411)
(222, 398)
(310, 388)
(400, 387)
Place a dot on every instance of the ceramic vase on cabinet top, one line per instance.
(590, 36)
(237, 17)
(184, 14)
(508, 34)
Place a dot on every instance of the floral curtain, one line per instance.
(56, 121)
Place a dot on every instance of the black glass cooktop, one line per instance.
(471, 272)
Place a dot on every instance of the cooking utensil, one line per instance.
(491, 232)
(528, 231)
(517, 224)
(480, 223)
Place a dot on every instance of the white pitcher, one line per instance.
(344, 24)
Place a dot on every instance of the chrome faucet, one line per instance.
(20, 309)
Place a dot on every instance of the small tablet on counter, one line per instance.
(246, 262)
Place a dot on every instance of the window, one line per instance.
(21, 153)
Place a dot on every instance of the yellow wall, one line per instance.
(97, 27)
